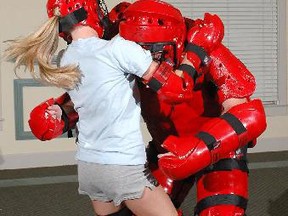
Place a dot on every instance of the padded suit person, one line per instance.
(207, 135)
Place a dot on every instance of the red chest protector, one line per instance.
(181, 119)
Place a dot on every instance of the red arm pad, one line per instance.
(236, 128)
(42, 124)
(171, 87)
(230, 75)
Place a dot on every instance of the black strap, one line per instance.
(103, 14)
(66, 23)
(69, 133)
(65, 118)
(190, 70)
(222, 199)
(208, 139)
(228, 164)
(199, 51)
(154, 84)
(235, 123)
(160, 75)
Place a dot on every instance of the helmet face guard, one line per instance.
(78, 12)
(150, 22)
(161, 51)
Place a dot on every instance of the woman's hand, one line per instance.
(55, 111)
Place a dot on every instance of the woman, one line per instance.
(99, 76)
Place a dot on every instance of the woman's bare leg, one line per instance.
(105, 208)
(153, 203)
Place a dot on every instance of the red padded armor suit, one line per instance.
(209, 143)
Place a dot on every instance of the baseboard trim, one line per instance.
(34, 160)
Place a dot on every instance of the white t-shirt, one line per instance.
(107, 100)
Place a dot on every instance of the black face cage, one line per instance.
(158, 52)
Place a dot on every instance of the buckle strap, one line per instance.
(160, 76)
(222, 199)
(67, 22)
(190, 70)
(228, 164)
(208, 139)
(199, 51)
(235, 123)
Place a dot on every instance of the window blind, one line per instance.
(251, 33)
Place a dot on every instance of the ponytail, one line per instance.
(40, 47)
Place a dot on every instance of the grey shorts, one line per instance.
(115, 183)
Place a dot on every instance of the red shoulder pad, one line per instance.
(207, 33)
(230, 75)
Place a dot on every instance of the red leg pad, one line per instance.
(217, 183)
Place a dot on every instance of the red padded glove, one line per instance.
(189, 156)
(43, 125)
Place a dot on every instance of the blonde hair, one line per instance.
(39, 47)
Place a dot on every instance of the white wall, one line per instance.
(21, 17)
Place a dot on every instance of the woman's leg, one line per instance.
(154, 202)
(119, 183)
(105, 208)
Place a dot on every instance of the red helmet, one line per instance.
(91, 15)
(156, 25)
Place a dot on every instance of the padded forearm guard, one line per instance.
(217, 138)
